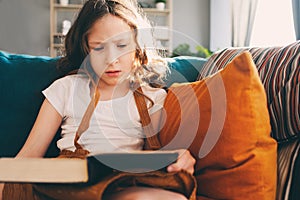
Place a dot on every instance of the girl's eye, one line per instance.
(122, 45)
(99, 48)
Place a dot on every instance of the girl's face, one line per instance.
(112, 49)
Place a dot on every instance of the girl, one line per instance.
(103, 46)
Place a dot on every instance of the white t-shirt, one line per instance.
(115, 124)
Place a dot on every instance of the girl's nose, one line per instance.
(111, 55)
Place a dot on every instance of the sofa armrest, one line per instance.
(23, 77)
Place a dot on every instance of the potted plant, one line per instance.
(160, 4)
(184, 50)
(64, 2)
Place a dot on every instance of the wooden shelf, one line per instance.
(156, 11)
(58, 35)
(68, 7)
(58, 45)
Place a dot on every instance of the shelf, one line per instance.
(67, 7)
(156, 11)
(58, 35)
(58, 45)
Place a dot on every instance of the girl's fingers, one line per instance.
(185, 161)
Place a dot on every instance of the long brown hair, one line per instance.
(76, 45)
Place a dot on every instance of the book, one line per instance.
(75, 170)
(43, 170)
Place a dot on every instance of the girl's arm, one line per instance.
(45, 127)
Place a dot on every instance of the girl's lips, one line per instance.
(113, 73)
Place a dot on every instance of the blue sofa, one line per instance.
(25, 76)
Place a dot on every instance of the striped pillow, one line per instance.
(279, 71)
(288, 170)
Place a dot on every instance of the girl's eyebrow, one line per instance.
(95, 43)
(121, 37)
(121, 40)
(114, 40)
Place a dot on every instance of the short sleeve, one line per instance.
(56, 94)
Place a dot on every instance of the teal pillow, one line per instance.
(23, 77)
(184, 69)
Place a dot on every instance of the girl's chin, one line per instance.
(115, 83)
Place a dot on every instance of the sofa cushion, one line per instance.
(288, 170)
(224, 121)
(279, 71)
(23, 77)
(184, 69)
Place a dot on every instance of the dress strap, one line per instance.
(85, 121)
(152, 140)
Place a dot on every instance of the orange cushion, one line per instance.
(224, 121)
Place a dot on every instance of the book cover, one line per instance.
(75, 170)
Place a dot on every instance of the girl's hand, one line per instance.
(185, 161)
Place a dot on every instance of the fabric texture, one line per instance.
(288, 172)
(115, 124)
(183, 69)
(243, 15)
(224, 121)
(22, 79)
(296, 17)
(181, 182)
(279, 72)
